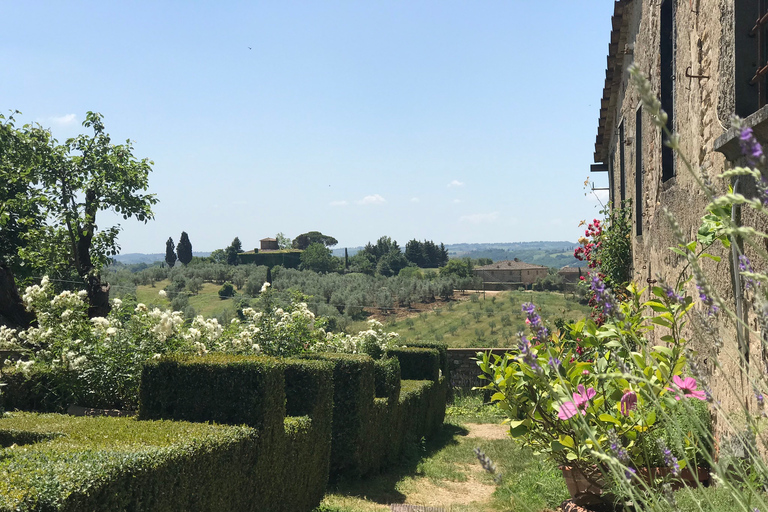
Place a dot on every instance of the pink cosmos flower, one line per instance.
(628, 402)
(688, 388)
(580, 401)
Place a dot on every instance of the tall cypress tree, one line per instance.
(170, 254)
(184, 249)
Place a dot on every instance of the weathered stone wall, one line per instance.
(464, 369)
(703, 106)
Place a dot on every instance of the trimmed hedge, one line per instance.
(387, 379)
(96, 464)
(417, 363)
(442, 348)
(233, 390)
(41, 390)
(353, 377)
(291, 470)
(309, 402)
(287, 259)
(272, 463)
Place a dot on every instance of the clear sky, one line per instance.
(453, 121)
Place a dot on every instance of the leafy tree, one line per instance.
(74, 181)
(283, 242)
(458, 267)
(218, 256)
(170, 252)
(237, 245)
(318, 257)
(184, 249)
(391, 263)
(22, 208)
(304, 240)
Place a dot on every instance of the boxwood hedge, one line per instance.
(417, 363)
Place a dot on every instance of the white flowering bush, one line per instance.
(97, 362)
(374, 341)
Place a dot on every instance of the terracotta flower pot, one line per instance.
(586, 485)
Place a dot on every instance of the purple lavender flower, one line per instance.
(629, 473)
(669, 459)
(554, 362)
(760, 398)
(708, 301)
(604, 297)
(526, 355)
(617, 448)
(672, 295)
(750, 148)
(746, 266)
(534, 322)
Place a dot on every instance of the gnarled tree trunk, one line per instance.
(12, 310)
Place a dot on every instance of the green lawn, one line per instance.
(493, 320)
(206, 303)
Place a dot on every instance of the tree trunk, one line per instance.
(98, 297)
(13, 313)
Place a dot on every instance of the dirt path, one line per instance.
(472, 491)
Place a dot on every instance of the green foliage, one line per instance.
(304, 240)
(426, 254)
(170, 252)
(458, 268)
(283, 242)
(184, 249)
(227, 389)
(284, 258)
(417, 363)
(442, 349)
(387, 379)
(226, 290)
(122, 464)
(615, 252)
(318, 258)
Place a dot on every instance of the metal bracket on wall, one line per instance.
(690, 76)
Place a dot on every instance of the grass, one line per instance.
(490, 321)
(445, 472)
(206, 302)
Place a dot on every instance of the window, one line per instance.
(639, 172)
(622, 170)
(667, 83)
(751, 47)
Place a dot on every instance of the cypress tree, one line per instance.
(184, 249)
(170, 252)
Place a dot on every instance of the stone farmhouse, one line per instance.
(509, 274)
(707, 61)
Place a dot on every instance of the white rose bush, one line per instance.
(97, 362)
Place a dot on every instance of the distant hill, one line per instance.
(137, 257)
(549, 254)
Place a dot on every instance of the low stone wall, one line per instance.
(464, 369)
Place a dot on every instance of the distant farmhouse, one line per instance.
(269, 244)
(572, 275)
(509, 274)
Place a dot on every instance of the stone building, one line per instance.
(706, 61)
(269, 244)
(506, 275)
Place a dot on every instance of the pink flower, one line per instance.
(628, 402)
(580, 401)
(688, 388)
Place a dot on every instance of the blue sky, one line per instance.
(454, 121)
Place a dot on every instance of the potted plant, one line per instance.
(600, 402)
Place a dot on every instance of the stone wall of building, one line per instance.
(464, 369)
(704, 100)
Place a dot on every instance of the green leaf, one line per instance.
(650, 419)
(607, 418)
(711, 256)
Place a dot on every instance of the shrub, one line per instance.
(226, 290)
(387, 379)
(417, 363)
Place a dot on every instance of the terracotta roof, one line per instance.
(268, 240)
(510, 265)
(613, 76)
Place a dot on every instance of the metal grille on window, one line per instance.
(760, 33)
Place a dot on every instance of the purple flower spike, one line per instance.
(750, 148)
